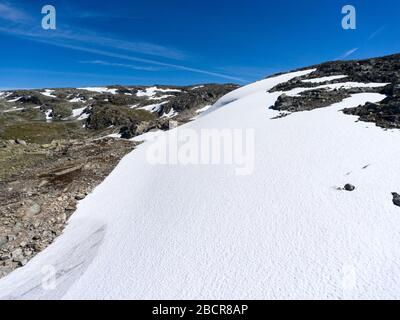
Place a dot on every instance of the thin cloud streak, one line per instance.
(376, 33)
(347, 54)
(143, 60)
(9, 13)
(88, 37)
(78, 39)
(121, 65)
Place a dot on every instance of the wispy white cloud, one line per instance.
(121, 65)
(347, 54)
(143, 60)
(376, 33)
(10, 13)
(42, 73)
(105, 45)
(87, 37)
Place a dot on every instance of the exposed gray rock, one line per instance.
(3, 240)
(308, 100)
(385, 114)
(33, 209)
(197, 98)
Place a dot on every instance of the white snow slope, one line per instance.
(202, 232)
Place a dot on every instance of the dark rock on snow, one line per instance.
(396, 199)
(349, 187)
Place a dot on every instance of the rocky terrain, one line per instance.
(332, 82)
(55, 149)
(385, 70)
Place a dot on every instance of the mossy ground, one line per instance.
(40, 132)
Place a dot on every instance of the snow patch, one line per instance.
(48, 93)
(152, 91)
(15, 99)
(325, 79)
(172, 113)
(197, 87)
(48, 114)
(161, 98)
(100, 90)
(336, 86)
(153, 107)
(77, 99)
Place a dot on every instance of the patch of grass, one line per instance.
(42, 132)
(14, 159)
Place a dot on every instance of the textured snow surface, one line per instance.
(201, 232)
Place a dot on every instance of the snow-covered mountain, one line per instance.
(313, 218)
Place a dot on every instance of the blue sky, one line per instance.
(183, 41)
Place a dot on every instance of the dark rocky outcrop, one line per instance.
(136, 128)
(308, 100)
(349, 187)
(59, 110)
(396, 199)
(385, 114)
(196, 98)
(102, 117)
(34, 100)
(384, 70)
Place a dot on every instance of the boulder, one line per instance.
(349, 187)
(396, 199)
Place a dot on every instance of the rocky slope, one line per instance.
(54, 149)
(385, 70)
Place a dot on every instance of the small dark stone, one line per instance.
(396, 199)
(80, 196)
(349, 187)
